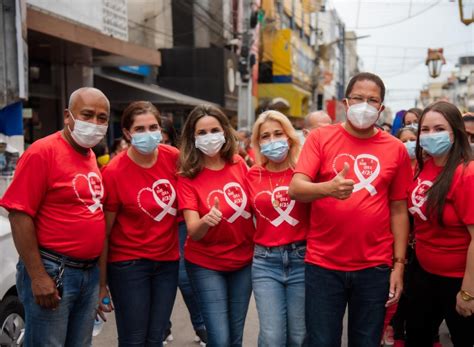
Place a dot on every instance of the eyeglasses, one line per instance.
(359, 100)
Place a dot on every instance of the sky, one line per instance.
(401, 31)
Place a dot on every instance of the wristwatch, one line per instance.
(466, 296)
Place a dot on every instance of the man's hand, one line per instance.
(45, 292)
(396, 284)
(341, 188)
(214, 216)
(103, 306)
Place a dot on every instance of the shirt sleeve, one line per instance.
(403, 177)
(30, 182)
(187, 199)
(111, 194)
(310, 157)
(463, 193)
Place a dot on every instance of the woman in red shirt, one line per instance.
(215, 205)
(280, 238)
(441, 203)
(142, 248)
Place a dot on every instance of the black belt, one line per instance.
(287, 247)
(82, 264)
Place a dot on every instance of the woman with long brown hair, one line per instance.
(215, 205)
(441, 204)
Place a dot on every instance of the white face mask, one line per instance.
(362, 116)
(87, 134)
(210, 144)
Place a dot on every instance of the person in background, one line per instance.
(245, 147)
(215, 205)
(412, 117)
(314, 120)
(408, 136)
(468, 119)
(141, 256)
(101, 151)
(170, 138)
(119, 145)
(357, 178)
(387, 127)
(441, 204)
(58, 225)
(280, 238)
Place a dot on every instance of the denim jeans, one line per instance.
(143, 292)
(432, 299)
(185, 286)
(328, 292)
(278, 285)
(71, 323)
(223, 297)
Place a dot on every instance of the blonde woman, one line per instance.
(280, 245)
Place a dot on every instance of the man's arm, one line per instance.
(400, 228)
(304, 190)
(24, 235)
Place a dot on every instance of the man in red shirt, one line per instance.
(58, 225)
(356, 177)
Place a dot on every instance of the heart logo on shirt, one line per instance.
(281, 203)
(233, 194)
(418, 198)
(366, 168)
(89, 190)
(157, 201)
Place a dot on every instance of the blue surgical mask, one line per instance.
(275, 150)
(436, 144)
(146, 142)
(411, 146)
(414, 126)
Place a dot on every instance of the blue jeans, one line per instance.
(143, 292)
(223, 297)
(185, 286)
(278, 285)
(328, 292)
(71, 323)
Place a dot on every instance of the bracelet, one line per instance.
(466, 296)
(400, 261)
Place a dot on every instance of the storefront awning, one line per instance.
(120, 90)
(297, 97)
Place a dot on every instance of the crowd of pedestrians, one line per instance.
(355, 220)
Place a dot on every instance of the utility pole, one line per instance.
(245, 115)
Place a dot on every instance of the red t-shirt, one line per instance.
(443, 250)
(146, 205)
(61, 190)
(227, 246)
(280, 220)
(355, 233)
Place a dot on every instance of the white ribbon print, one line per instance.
(239, 209)
(93, 182)
(167, 207)
(284, 214)
(415, 194)
(366, 183)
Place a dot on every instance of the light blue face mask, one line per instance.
(275, 150)
(436, 144)
(411, 146)
(414, 126)
(146, 142)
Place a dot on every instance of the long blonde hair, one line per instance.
(293, 140)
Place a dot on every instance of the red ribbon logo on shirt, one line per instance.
(284, 207)
(235, 197)
(95, 188)
(163, 194)
(419, 197)
(366, 169)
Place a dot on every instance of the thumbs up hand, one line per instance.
(214, 216)
(341, 188)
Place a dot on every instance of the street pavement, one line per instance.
(183, 332)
